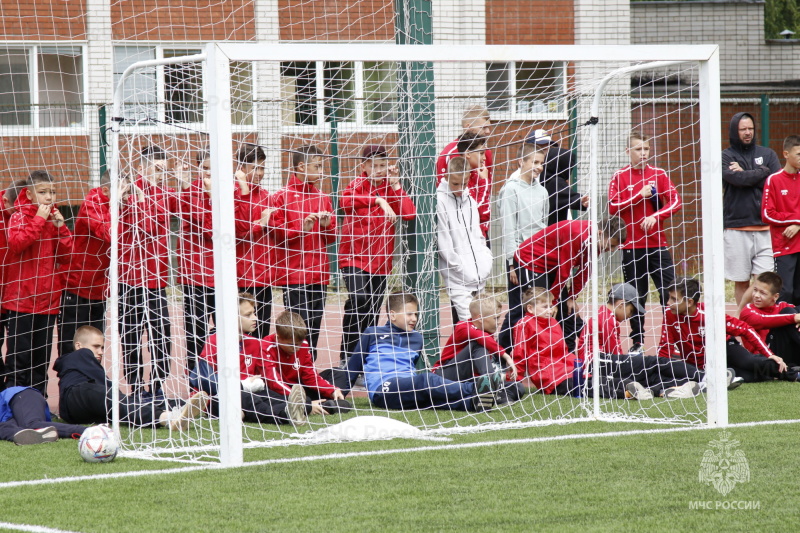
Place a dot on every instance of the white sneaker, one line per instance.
(636, 391)
(296, 406)
(35, 436)
(690, 389)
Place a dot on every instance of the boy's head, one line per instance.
(457, 175)
(531, 159)
(153, 164)
(766, 289)
(484, 311)
(684, 296)
(624, 301)
(538, 301)
(290, 331)
(613, 233)
(90, 338)
(40, 188)
(473, 147)
(403, 310)
(308, 163)
(375, 161)
(791, 151)
(476, 120)
(11, 195)
(638, 149)
(247, 313)
(250, 159)
(203, 162)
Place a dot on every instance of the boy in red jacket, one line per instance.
(288, 350)
(775, 322)
(39, 243)
(303, 226)
(253, 247)
(371, 204)
(780, 208)
(83, 301)
(644, 197)
(144, 269)
(683, 336)
(539, 348)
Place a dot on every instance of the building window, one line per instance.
(173, 94)
(526, 89)
(352, 92)
(41, 86)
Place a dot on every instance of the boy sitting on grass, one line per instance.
(259, 404)
(85, 391)
(472, 350)
(387, 356)
(288, 350)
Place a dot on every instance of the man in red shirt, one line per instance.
(683, 336)
(644, 197)
(776, 322)
(780, 208)
(371, 205)
(302, 226)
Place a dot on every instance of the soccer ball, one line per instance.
(98, 444)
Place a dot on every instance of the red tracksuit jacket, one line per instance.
(608, 340)
(463, 333)
(625, 201)
(541, 353)
(144, 234)
(559, 248)
(293, 369)
(301, 257)
(91, 250)
(5, 218)
(780, 207)
(254, 251)
(367, 237)
(767, 318)
(195, 242)
(685, 336)
(480, 189)
(251, 358)
(37, 254)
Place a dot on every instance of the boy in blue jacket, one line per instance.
(387, 356)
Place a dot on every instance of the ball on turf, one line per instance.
(98, 444)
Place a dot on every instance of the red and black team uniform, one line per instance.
(254, 252)
(294, 369)
(547, 259)
(143, 277)
(83, 302)
(301, 257)
(196, 266)
(37, 253)
(780, 208)
(469, 352)
(480, 189)
(541, 353)
(776, 326)
(683, 336)
(644, 254)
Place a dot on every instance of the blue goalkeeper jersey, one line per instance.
(383, 353)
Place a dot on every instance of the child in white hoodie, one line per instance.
(464, 259)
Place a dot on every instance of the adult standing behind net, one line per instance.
(745, 168)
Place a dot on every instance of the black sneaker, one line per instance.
(35, 436)
(334, 407)
(636, 349)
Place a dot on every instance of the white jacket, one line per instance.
(464, 259)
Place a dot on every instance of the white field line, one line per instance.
(348, 455)
(34, 529)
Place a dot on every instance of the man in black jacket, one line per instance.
(745, 168)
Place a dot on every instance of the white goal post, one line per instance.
(217, 60)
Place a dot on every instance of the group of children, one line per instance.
(51, 275)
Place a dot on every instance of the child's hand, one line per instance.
(391, 216)
(791, 231)
(58, 218)
(646, 192)
(394, 177)
(207, 185)
(138, 192)
(44, 211)
(512, 276)
(648, 223)
(337, 394)
(308, 223)
(324, 218)
(244, 187)
(512, 368)
(316, 408)
(483, 173)
(265, 214)
(183, 174)
(585, 201)
(781, 365)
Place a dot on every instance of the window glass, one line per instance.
(15, 88)
(60, 73)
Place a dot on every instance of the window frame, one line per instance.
(33, 127)
(512, 113)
